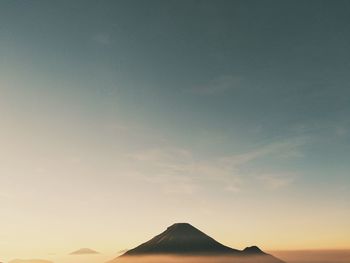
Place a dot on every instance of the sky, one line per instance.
(120, 118)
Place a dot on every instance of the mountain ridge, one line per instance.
(183, 239)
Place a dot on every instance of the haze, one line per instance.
(119, 118)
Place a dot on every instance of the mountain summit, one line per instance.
(183, 239)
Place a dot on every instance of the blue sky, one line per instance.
(190, 107)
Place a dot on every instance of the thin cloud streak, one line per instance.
(278, 180)
(285, 148)
(178, 171)
(219, 85)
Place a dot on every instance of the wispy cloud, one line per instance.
(102, 39)
(171, 168)
(321, 129)
(341, 131)
(285, 148)
(277, 180)
(219, 85)
(177, 171)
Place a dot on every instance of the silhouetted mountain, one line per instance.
(253, 250)
(84, 251)
(182, 239)
(30, 261)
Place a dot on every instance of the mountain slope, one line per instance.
(182, 239)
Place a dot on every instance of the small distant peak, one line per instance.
(253, 250)
(84, 251)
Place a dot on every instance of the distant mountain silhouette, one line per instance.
(253, 250)
(30, 261)
(84, 251)
(182, 239)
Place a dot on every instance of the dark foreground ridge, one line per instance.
(183, 239)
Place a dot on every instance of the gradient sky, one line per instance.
(119, 118)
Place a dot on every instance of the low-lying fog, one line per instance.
(314, 256)
(302, 256)
(191, 259)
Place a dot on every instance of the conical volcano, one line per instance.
(184, 240)
(181, 238)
